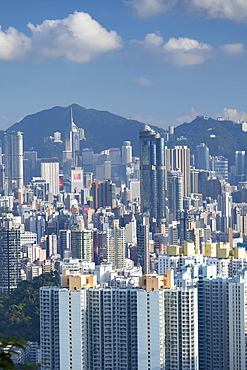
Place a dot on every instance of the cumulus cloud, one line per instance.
(233, 49)
(142, 81)
(182, 51)
(13, 44)
(186, 51)
(235, 10)
(77, 38)
(150, 8)
(234, 115)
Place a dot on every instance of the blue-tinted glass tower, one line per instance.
(152, 174)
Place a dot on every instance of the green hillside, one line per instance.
(222, 137)
(103, 129)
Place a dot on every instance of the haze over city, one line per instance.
(160, 62)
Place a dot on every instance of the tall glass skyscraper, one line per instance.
(152, 174)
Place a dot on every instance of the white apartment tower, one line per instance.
(50, 173)
(114, 328)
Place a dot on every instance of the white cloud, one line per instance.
(233, 48)
(150, 8)
(153, 39)
(188, 118)
(13, 44)
(77, 38)
(142, 81)
(184, 51)
(235, 10)
(181, 52)
(234, 115)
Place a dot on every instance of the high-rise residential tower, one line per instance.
(175, 198)
(180, 161)
(10, 259)
(152, 174)
(50, 173)
(13, 144)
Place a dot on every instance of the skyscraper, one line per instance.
(240, 162)
(202, 157)
(76, 134)
(82, 244)
(10, 259)
(152, 174)
(126, 152)
(13, 144)
(50, 173)
(175, 198)
(180, 161)
(116, 245)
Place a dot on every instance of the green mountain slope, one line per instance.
(222, 137)
(103, 130)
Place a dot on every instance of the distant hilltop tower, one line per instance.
(76, 134)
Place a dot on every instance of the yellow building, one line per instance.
(77, 282)
(153, 282)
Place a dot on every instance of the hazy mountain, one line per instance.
(103, 130)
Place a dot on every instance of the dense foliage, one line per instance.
(19, 312)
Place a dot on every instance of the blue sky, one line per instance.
(159, 61)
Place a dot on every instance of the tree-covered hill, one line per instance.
(19, 312)
(102, 129)
(222, 137)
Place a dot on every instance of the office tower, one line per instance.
(13, 146)
(99, 246)
(152, 174)
(212, 188)
(87, 159)
(64, 241)
(126, 152)
(76, 135)
(220, 166)
(10, 260)
(76, 179)
(180, 161)
(116, 245)
(142, 227)
(82, 244)
(240, 162)
(104, 194)
(50, 173)
(175, 197)
(202, 157)
(30, 166)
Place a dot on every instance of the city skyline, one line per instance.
(149, 61)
